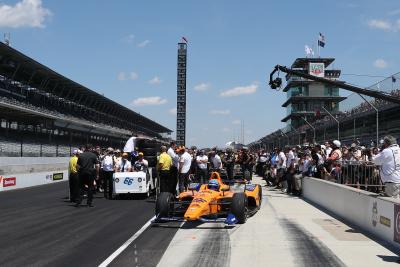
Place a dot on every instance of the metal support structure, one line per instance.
(286, 137)
(309, 124)
(181, 95)
(298, 133)
(377, 118)
(337, 121)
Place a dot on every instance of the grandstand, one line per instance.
(357, 120)
(43, 113)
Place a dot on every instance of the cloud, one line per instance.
(143, 44)
(240, 90)
(129, 38)
(220, 112)
(122, 76)
(149, 101)
(380, 63)
(202, 87)
(236, 122)
(394, 12)
(380, 24)
(26, 13)
(172, 111)
(156, 80)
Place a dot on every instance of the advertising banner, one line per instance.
(58, 176)
(317, 69)
(11, 181)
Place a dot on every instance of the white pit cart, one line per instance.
(134, 183)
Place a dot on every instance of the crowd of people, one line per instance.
(91, 169)
(355, 165)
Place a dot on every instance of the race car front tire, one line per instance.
(163, 204)
(238, 207)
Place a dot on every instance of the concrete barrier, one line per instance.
(377, 215)
(16, 173)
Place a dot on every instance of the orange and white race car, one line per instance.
(215, 201)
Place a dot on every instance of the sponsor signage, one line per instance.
(317, 69)
(11, 181)
(58, 176)
(384, 221)
(396, 226)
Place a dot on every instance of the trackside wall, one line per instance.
(377, 215)
(16, 173)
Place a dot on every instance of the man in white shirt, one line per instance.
(185, 161)
(389, 161)
(108, 165)
(215, 160)
(124, 165)
(175, 163)
(202, 172)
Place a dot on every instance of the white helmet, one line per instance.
(336, 143)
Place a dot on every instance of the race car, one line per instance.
(215, 201)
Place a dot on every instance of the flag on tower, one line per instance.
(321, 40)
(184, 40)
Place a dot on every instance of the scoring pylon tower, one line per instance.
(181, 95)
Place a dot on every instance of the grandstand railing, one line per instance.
(359, 174)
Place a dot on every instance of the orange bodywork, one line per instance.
(206, 202)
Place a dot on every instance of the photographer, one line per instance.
(389, 161)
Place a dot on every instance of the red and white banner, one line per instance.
(11, 181)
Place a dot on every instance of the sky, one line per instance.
(127, 50)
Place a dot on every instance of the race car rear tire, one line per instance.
(260, 193)
(163, 204)
(238, 207)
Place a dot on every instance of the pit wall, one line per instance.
(17, 173)
(379, 216)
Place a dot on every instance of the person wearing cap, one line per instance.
(164, 168)
(125, 165)
(388, 161)
(185, 161)
(141, 164)
(73, 176)
(108, 167)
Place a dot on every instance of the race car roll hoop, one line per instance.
(213, 202)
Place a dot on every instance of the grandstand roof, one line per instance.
(19, 67)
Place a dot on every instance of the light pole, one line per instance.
(338, 124)
(377, 118)
(312, 127)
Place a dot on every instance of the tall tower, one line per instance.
(181, 95)
(308, 99)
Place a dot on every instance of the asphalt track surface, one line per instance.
(40, 227)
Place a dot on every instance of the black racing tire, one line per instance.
(163, 204)
(238, 207)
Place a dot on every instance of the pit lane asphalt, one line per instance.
(39, 227)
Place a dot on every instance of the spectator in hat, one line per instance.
(389, 162)
(141, 164)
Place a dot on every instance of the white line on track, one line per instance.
(126, 244)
